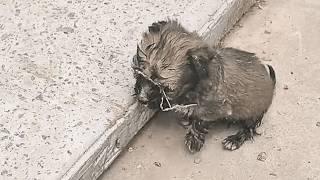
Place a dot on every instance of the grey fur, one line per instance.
(225, 83)
(244, 91)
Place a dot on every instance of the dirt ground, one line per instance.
(285, 34)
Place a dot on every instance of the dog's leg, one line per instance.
(195, 138)
(247, 132)
(184, 121)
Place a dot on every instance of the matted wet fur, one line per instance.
(226, 84)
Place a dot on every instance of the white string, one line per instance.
(165, 97)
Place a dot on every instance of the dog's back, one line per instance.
(247, 85)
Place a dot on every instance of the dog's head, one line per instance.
(171, 59)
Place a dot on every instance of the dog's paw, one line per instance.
(231, 143)
(185, 123)
(194, 142)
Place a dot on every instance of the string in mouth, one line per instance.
(164, 97)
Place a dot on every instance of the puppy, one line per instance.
(225, 84)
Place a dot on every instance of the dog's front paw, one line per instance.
(232, 143)
(184, 122)
(194, 141)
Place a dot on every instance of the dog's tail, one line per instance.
(272, 74)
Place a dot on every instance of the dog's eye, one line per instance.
(154, 73)
(149, 46)
(137, 86)
(153, 77)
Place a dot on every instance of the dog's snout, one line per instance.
(143, 96)
(142, 99)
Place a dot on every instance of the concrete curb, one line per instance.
(109, 145)
(224, 19)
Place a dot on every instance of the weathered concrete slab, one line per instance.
(66, 109)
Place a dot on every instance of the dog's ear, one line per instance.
(141, 56)
(156, 26)
(199, 58)
(138, 59)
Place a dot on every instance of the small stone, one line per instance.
(66, 30)
(21, 144)
(158, 164)
(267, 32)
(4, 36)
(69, 152)
(71, 15)
(39, 97)
(285, 87)
(291, 72)
(318, 124)
(44, 137)
(197, 161)
(262, 156)
(20, 116)
(130, 149)
(272, 174)
(4, 172)
(78, 124)
(5, 131)
(3, 138)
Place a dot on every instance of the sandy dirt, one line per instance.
(285, 34)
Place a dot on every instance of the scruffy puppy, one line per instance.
(223, 84)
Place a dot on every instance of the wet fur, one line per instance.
(226, 83)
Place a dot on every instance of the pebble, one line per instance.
(66, 30)
(318, 124)
(158, 164)
(130, 149)
(4, 172)
(272, 174)
(267, 32)
(262, 156)
(285, 87)
(4, 130)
